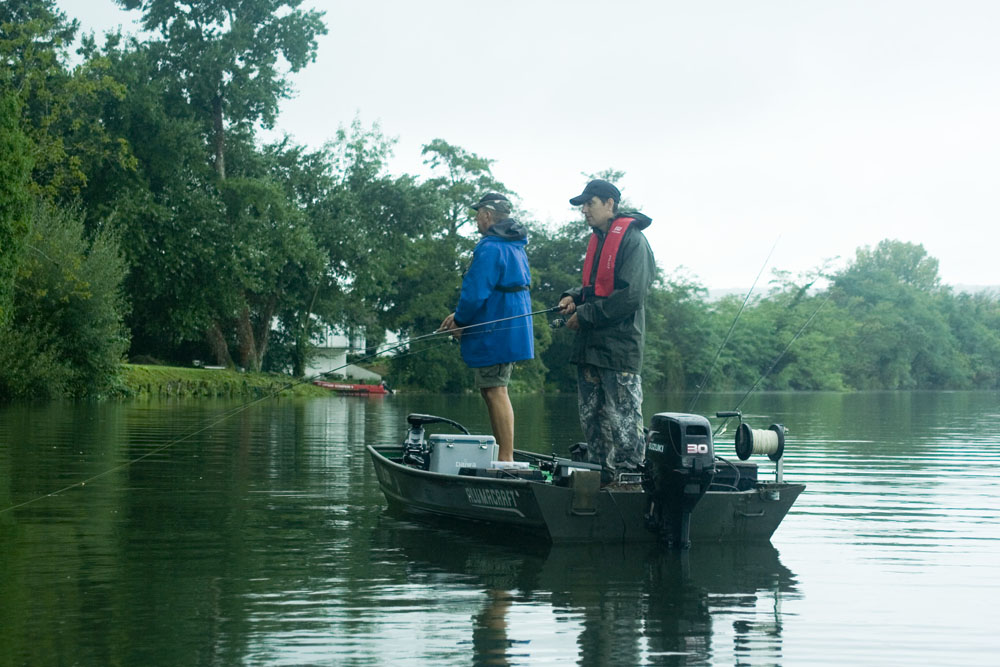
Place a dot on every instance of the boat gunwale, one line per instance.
(759, 485)
(444, 476)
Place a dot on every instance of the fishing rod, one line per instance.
(226, 414)
(735, 412)
(718, 353)
(441, 331)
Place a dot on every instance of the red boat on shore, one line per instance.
(353, 389)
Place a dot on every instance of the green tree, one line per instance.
(680, 336)
(60, 286)
(372, 229)
(901, 339)
(59, 107)
(804, 336)
(15, 201)
(185, 223)
(556, 260)
(224, 61)
(464, 178)
(279, 247)
(974, 320)
(168, 210)
(66, 335)
(226, 56)
(433, 364)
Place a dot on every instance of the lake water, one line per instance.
(207, 534)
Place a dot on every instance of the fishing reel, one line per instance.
(562, 469)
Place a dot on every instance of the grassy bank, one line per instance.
(153, 381)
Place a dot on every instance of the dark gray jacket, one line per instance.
(613, 328)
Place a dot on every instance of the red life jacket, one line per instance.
(605, 282)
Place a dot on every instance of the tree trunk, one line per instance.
(263, 331)
(299, 352)
(217, 343)
(220, 137)
(248, 346)
(303, 349)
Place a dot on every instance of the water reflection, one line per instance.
(265, 540)
(610, 605)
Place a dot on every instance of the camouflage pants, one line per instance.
(611, 417)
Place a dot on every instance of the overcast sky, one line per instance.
(824, 126)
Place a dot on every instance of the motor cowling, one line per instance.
(680, 465)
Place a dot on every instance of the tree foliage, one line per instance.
(66, 335)
(15, 200)
(224, 57)
(140, 210)
(59, 106)
(462, 178)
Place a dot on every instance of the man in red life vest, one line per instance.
(607, 312)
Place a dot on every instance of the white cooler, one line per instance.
(451, 453)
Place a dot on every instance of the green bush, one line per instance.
(66, 335)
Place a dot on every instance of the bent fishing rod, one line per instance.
(718, 353)
(735, 412)
(226, 414)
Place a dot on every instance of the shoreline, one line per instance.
(149, 381)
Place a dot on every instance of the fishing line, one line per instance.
(775, 362)
(221, 417)
(227, 414)
(438, 332)
(704, 380)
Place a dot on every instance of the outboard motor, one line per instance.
(680, 465)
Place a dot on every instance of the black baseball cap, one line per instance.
(494, 201)
(597, 188)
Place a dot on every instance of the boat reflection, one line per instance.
(621, 604)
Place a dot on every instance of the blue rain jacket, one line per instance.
(490, 292)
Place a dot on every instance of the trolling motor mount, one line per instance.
(415, 449)
(680, 465)
(417, 420)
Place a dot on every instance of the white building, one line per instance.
(331, 357)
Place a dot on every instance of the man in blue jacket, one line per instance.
(495, 287)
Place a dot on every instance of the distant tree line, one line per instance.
(142, 217)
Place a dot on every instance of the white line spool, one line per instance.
(769, 441)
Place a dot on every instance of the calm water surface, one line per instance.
(263, 540)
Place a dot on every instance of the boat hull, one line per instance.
(563, 515)
(352, 389)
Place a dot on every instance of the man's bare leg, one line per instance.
(501, 419)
